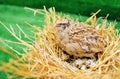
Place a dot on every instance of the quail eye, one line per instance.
(64, 26)
(64, 23)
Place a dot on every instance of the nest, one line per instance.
(43, 59)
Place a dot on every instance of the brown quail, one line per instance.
(79, 39)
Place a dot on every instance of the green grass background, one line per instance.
(82, 7)
(12, 15)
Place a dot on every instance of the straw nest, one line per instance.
(43, 59)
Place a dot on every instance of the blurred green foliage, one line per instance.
(82, 7)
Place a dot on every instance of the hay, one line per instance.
(43, 58)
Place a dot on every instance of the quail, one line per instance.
(79, 39)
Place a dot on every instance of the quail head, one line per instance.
(79, 39)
